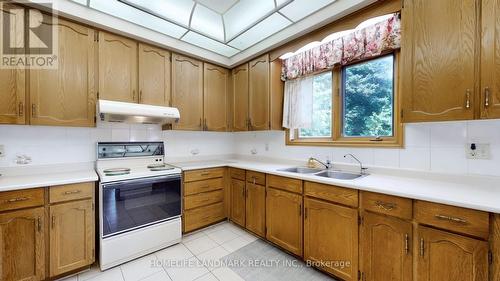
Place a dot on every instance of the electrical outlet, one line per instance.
(478, 151)
(2, 151)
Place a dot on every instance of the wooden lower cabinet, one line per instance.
(255, 209)
(446, 256)
(331, 238)
(284, 220)
(71, 236)
(385, 248)
(22, 245)
(237, 213)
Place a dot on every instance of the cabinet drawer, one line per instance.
(203, 174)
(237, 174)
(11, 200)
(283, 183)
(344, 196)
(256, 177)
(203, 199)
(203, 216)
(70, 192)
(387, 204)
(203, 186)
(452, 218)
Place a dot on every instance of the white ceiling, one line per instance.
(223, 31)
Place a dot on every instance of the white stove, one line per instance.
(140, 201)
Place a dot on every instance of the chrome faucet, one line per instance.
(361, 168)
(327, 165)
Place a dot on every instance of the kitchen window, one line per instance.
(354, 105)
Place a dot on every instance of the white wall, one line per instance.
(438, 147)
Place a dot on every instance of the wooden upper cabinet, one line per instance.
(277, 94)
(66, 96)
(255, 213)
(438, 51)
(446, 256)
(284, 219)
(331, 234)
(12, 82)
(386, 248)
(240, 98)
(490, 59)
(258, 101)
(237, 210)
(154, 75)
(71, 236)
(22, 245)
(117, 68)
(215, 90)
(187, 92)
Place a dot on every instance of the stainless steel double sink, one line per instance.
(333, 174)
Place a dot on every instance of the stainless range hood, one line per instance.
(114, 111)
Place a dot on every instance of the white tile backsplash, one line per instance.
(438, 147)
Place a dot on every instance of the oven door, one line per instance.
(132, 204)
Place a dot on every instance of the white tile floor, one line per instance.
(205, 245)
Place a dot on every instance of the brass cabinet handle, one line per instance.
(205, 127)
(133, 94)
(305, 213)
(422, 247)
(452, 219)
(33, 110)
(250, 126)
(205, 173)
(21, 109)
(243, 192)
(72, 192)
(39, 224)
(407, 247)
(53, 222)
(140, 95)
(205, 186)
(201, 125)
(486, 97)
(300, 210)
(385, 205)
(467, 99)
(18, 199)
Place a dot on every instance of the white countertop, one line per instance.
(474, 192)
(33, 177)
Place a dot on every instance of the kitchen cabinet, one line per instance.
(240, 98)
(187, 92)
(331, 234)
(237, 212)
(386, 248)
(284, 219)
(439, 81)
(117, 68)
(154, 75)
(258, 94)
(446, 256)
(255, 208)
(490, 59)
(66, 96)
(215, 97)
(277, 94)
(71, 236)
(22, 245)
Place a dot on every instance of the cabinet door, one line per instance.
(277, 93)
(438, 81)
(22, 245)
(154, 75)
(240, 98)
(187, 92)
(66, 96)
(117, 68)
(71, 236)
(258, 101)
(386, 248)
(446, 256)
(238, 201)
(12, 81)
(284, 220)
(331, 234)
(256, 208)
(490, 59)
(215, 98)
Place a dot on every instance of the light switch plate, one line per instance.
(481, 151)
(2, 151)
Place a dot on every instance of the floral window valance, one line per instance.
(359, 44)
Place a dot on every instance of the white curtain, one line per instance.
(298, 103)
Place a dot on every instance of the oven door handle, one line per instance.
(149, 180)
